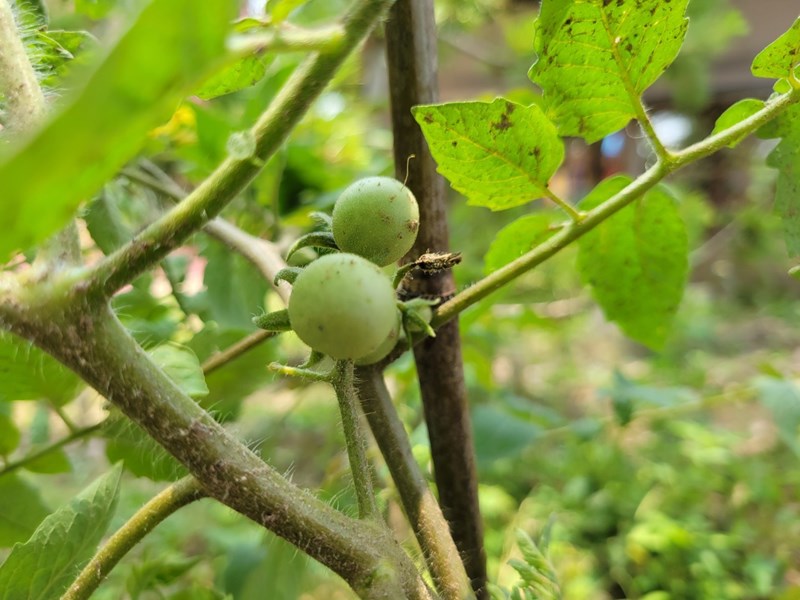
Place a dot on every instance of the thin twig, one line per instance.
(72, 437)
(223, 357)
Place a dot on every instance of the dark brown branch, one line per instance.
(412, 61)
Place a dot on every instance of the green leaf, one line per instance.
(736, 113)
(501, 435)
(517, 238)
(279, 10)
(149, 575)
(786, 158)
(242, 74)
(497, 154)
(108, 223)
(42, 567)
(780, 59)
(58, 52)
(21, 511)
(27, 373)
(95, 9)
(182, 366)
(596, 58)
(140, 454)
(235, 289)
(45, 177)
(150, 320)
(9, 434)
(233, 382)
(55, 461)
(782, 398)
(636, 262)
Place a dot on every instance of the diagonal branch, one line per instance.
(423, 512)
(96, 346)
(168, 501)
(231, 177)
(649, 179)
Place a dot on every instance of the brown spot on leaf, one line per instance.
(503, 124)
(428, 118)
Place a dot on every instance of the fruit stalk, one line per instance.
(343, 383)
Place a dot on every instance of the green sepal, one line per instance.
(274, 321)
(288, 274)
(322, 219)
(413, 318)
(316, 239)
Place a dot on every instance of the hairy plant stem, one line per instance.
(26, 108)
(288, 38)
(343, 383)
(176, 496)
(25, 105)
(76, 435)
(420, 505)
(211, 196)
(262, 254)
(617, 202)
(92, 342)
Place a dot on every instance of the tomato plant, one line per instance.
(138, 246)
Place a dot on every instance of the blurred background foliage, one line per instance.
(661, 476)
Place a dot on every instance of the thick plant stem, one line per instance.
(412, 64)
(26, 108)
(95, 345)
(617, 202)
(176, 496)
(343, 383)
(269, 132)
(423, 512)
(25, 105)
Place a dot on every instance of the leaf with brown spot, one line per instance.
(498, 154)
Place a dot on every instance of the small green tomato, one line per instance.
(343, 305)
(387, 346)
(377, 218)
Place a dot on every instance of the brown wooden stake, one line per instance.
(412, 63)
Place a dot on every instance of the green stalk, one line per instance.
(617, 202)
(343, 383)
(420, 505)
(176, 496)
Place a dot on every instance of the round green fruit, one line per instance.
(387, 346)
(343, 305)
(377, 218)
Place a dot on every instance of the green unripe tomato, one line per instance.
(387, 346)
(377, 218)
(342, 305)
